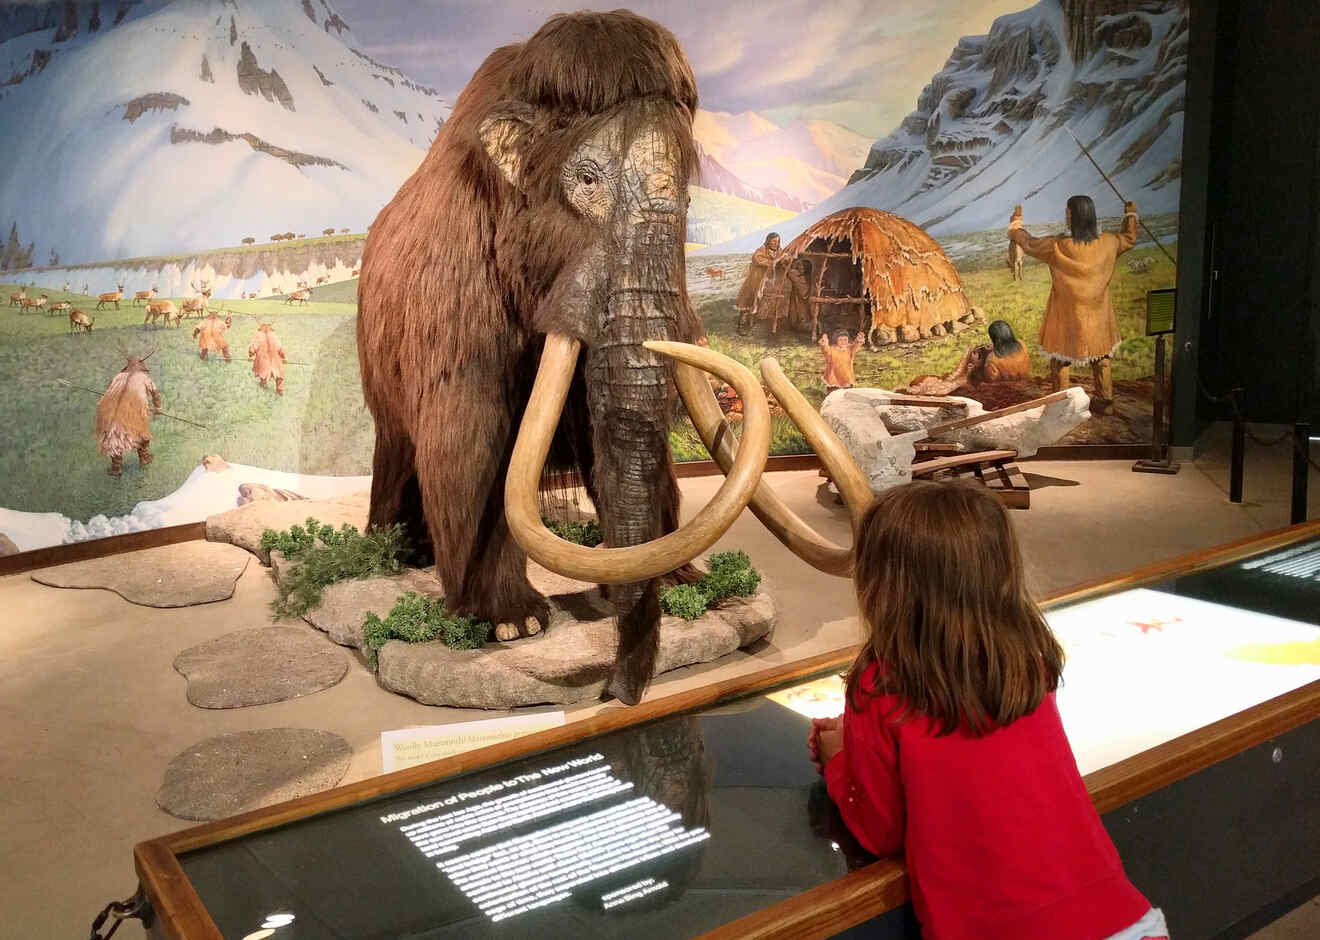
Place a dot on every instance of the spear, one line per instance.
(67, 384)
(1144, 226)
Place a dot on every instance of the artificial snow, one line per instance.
(203, 494)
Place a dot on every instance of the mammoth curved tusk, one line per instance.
(786, 525)
(659, 556)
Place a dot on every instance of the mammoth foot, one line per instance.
(511, 631)
(521, 619)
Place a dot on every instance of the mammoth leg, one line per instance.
(395, 496)
(461, 468)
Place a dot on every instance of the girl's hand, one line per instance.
(821, 726)
(828, 744)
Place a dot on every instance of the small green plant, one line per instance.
(326, 555)
(582, 533)
(297, 540)
(683, 600)
(416, 618)
(731, 575)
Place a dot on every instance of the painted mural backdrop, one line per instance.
(178, 174)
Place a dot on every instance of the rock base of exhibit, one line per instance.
(260, 666)
(565, 664)
(568, 662)
(243, 526)
(345, 604)
(237, 773)
(169, 576)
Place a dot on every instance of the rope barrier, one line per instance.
(1303, 447)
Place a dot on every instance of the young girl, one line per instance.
(951, 749)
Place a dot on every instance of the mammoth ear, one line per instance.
(505, 134)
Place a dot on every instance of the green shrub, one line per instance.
(581, 533)
(683, 600)
(342, 555)
(297, 540)
(419, 619)
(731, 575)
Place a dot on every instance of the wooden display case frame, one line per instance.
(821, 912)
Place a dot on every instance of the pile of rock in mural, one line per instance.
(566, 663)
(906, 333)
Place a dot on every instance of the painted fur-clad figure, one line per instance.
(1005, 359)
(762, 266)
(267, 357)
(541, 239)
(123, 416)
(787, 296)
(211, 336)
(1079, 325)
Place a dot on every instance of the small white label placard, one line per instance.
(408, 747)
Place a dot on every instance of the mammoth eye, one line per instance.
(586, 178)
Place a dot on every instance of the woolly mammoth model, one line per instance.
(548, 217)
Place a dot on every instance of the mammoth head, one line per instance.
(592, 134)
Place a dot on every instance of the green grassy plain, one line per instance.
(988, 284)
(1021, 303)
(48, 453)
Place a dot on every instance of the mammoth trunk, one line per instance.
(630, 397)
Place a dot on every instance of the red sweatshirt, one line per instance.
(1000, 837)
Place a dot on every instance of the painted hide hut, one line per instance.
(879, 274)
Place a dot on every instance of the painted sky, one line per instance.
(860, 63)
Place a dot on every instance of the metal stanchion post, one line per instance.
(1239, 449)
(1160, 460)
(1301, 469)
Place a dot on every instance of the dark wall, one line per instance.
(1204, 74)
(1258, 322)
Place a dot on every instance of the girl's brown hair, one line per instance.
(940, 586)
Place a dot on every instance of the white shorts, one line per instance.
(1151, 926)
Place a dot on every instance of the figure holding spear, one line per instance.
(1080, 325)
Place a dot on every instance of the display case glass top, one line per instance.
(674, 826)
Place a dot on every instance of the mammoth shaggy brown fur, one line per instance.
(488, 247)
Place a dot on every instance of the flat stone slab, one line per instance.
(169, 576)
(345, 604)
(237, 773)
(259, 666)
(243, 526)
(569, 661)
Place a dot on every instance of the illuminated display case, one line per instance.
(1190, 698)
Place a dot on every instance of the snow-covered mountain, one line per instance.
(166, 126)
(791, 167)
(994, 127)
